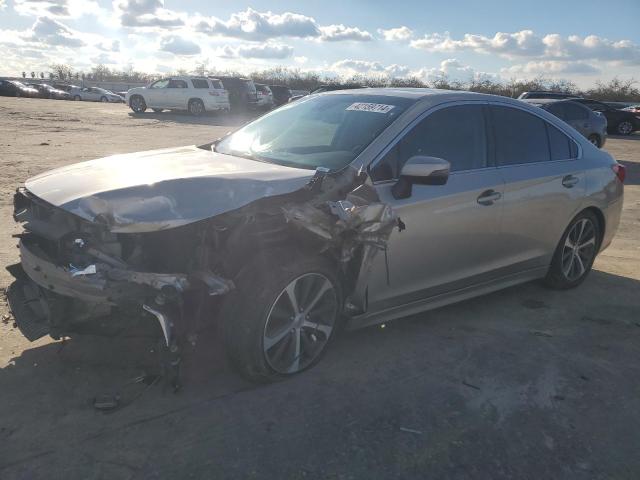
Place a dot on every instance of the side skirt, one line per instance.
(430, 303)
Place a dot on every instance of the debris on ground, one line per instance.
(410, 430)
(470, 385)
(542, 333)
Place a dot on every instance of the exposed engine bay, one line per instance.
(77, 268)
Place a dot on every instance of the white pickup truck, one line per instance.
(195, 94)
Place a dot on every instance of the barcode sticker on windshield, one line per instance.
(370, 107)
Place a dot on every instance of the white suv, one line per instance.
(195, 94)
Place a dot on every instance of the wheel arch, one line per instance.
(602, 224)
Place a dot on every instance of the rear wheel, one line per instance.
(281, 317)
(624, 128)
(595, 139)
(196, 107)
(576, 252)
(137, 104)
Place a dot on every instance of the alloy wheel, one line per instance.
(625, 128)
(300, 323)
(579, 249)
(136, 104)
(196, 108)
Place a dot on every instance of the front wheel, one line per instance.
(595, 140)
(576, 252)
(624, 128)
(288, 322)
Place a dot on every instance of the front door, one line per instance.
(156, 94)
(452, 230)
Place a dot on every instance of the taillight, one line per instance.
(620, 171)
(214, 94)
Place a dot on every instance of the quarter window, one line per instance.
(520, 137)
(456, 134)
(559, 144)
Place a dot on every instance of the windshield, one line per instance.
(326, 131)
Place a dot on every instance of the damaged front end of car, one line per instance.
(75, 272)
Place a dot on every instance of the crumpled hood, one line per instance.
(159, 189)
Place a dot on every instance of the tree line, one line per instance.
(612, 90)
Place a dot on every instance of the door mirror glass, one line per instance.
(421, 170)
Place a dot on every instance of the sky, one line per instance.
(576, 40)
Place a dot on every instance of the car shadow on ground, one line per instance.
(213, 119)
(487, 364)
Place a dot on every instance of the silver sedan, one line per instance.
(350, 207)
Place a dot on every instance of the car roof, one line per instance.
(415, 93)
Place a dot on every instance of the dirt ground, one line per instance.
(524, 383)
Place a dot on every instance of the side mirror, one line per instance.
(421, 170)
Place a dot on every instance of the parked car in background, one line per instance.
(326, 88)
(243, 95)
(632, 109)
(13, 88)
(47, 91)
(542, 94)
(592, 125)
(620, 122)
(197, 95)
(289, 228)
(265, 97)
(95, 94)
(281, 94)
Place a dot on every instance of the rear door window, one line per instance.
(520, 137)
(200, 83)
(173, 83)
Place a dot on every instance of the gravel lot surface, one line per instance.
(523, 383)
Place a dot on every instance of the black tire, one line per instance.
(157, 110)
(77, 98)
(595, 139)
(196, 107)
(557, 276)
(247, 310)
(625, 127)
(104, 99)
(137, 104)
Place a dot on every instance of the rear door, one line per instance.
(544, 184)
(452, 230)
(177, 94)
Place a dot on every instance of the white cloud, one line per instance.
(396, 34)
(526, 43)
(254, 25)
(3, 4)
(551, 67)
(51, 32)
(337, 33)
(258, 26)
(261, 51)
(56, 8)
(146, 13)
(105, 59)
(301, 59)
(353, 67)
(179, 45)
(450, 68)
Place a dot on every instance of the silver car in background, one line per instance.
(590, 123)
(348, 207)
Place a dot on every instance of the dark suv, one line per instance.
(12, 88)
(281, 94)
(620, 122)
(542, 94)
(242, 92)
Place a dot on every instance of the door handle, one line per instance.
(570, 181)
(488, 197)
